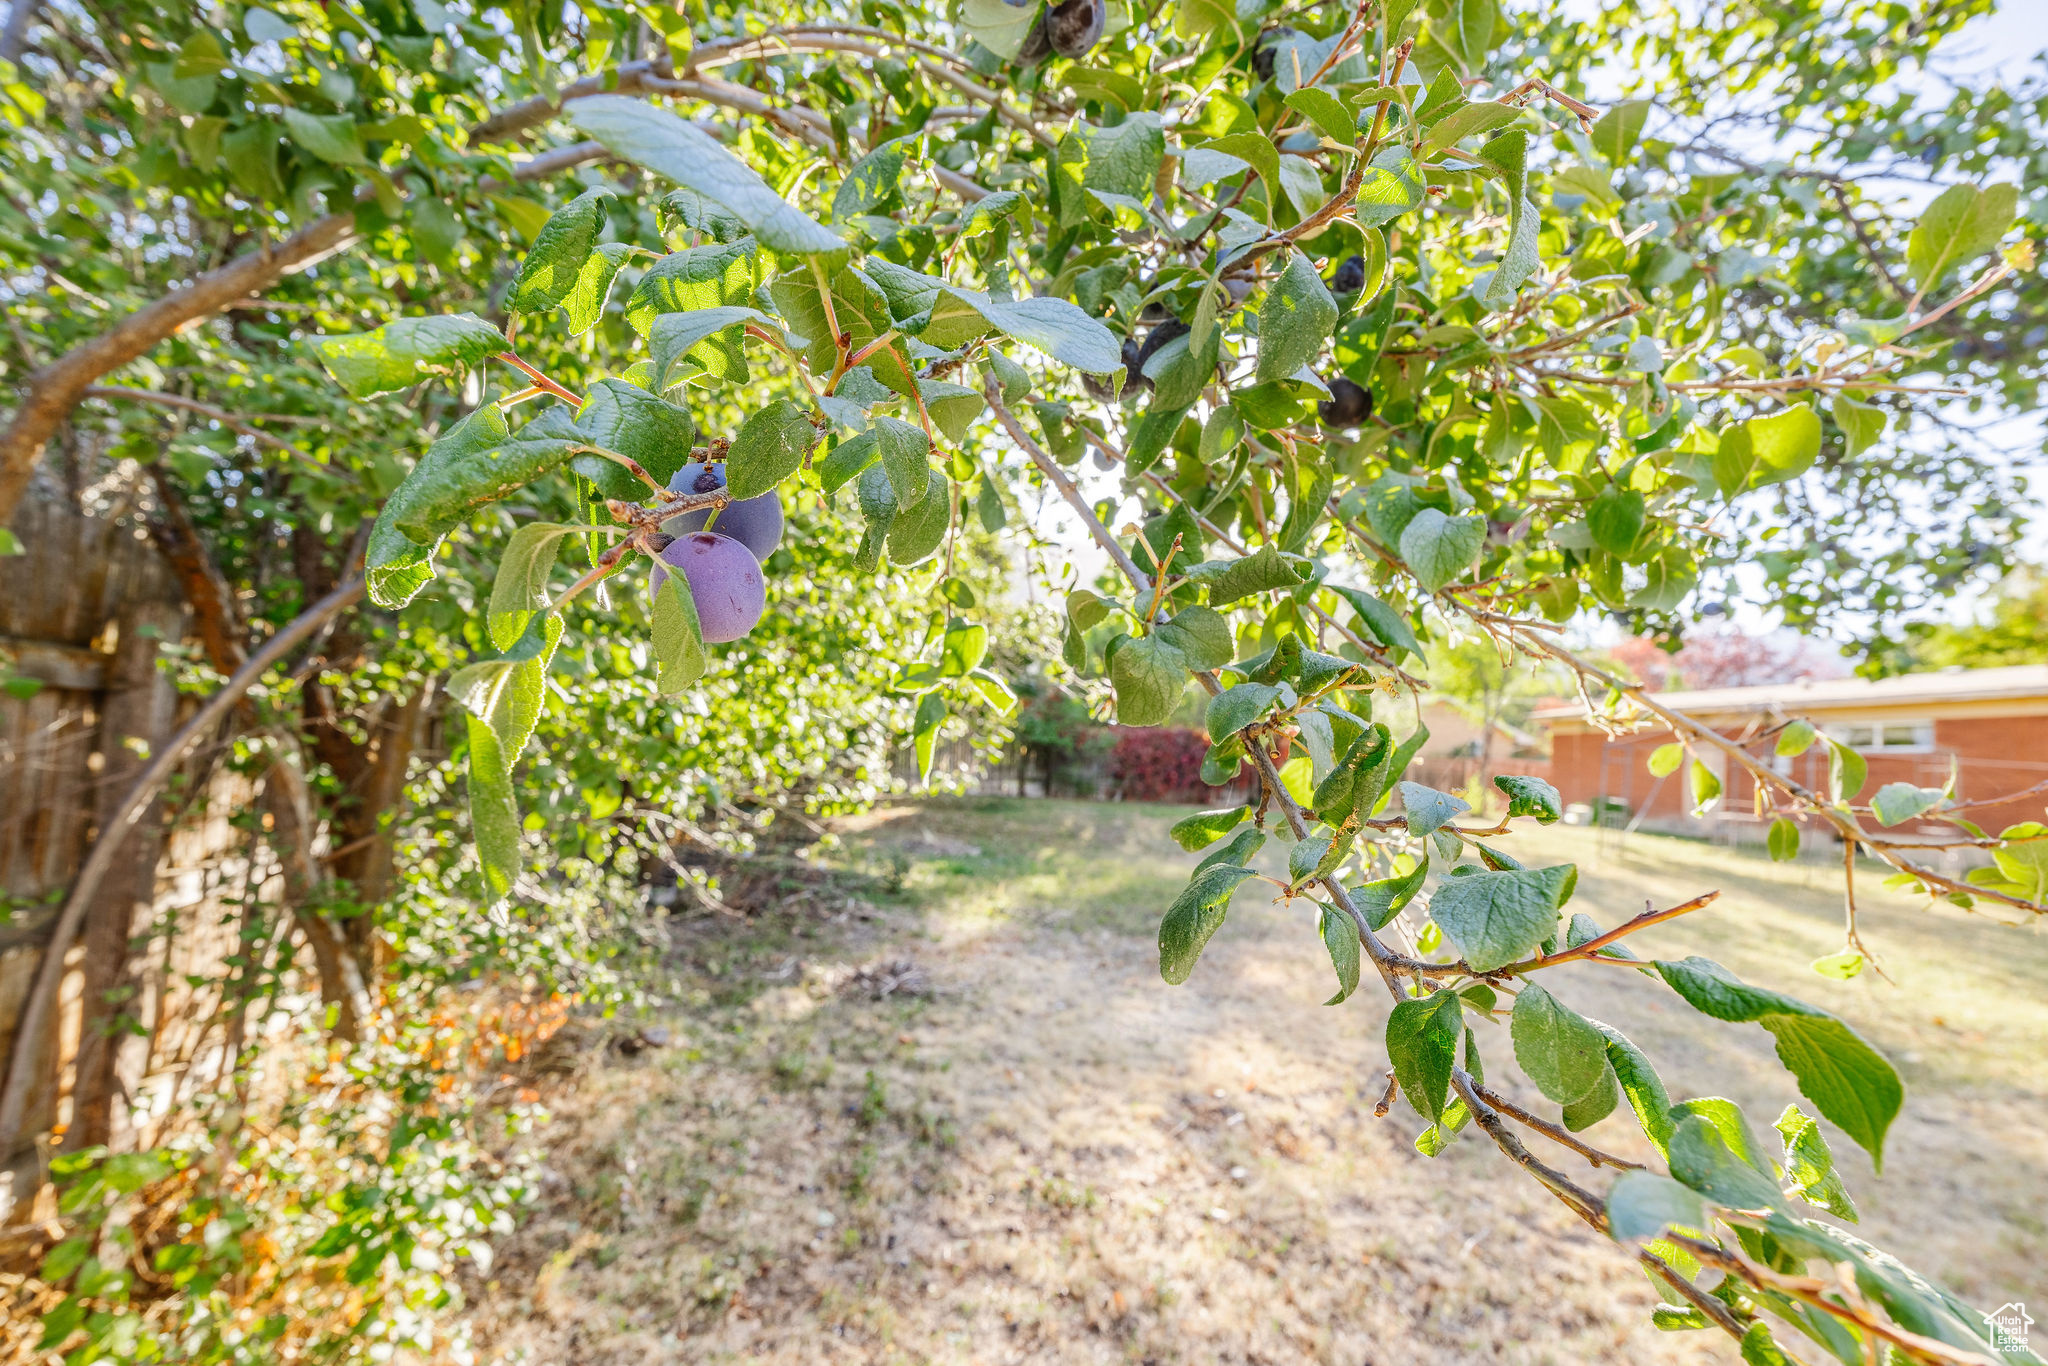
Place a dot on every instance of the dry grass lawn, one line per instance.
(1032, 1150)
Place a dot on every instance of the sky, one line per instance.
(2000, 45)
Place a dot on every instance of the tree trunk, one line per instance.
(363, 840)
(138, 716)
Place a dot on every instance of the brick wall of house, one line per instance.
(1995, 755)
(1999, 754)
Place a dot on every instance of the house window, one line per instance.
(1886, 737)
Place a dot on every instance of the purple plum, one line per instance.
(755, 523)
(724, 580)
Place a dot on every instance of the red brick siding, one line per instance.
(1994, 755)
(1999, 754)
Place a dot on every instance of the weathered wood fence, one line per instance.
(87, 617)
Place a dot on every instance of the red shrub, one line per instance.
(1160, 764)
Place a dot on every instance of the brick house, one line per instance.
(1988, 726)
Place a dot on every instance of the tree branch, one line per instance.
(51, 393)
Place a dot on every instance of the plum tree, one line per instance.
(755, 523)
(724, 579)
(1594, 364)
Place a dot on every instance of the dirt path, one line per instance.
(1034, 1151)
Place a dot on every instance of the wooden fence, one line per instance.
(86, 616)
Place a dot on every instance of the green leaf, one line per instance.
(1961, 224)
(1839, 966)
(770, 447)
(1422, 1042)
(874, 179)
(859, 310)
(1235, 708)
(1306, 858)
(1785, 444)
(1391, 186)
(1641, 1086)
(1500, 918)
(675, 336)
(1231, 580)
(1702, 1159)
(1665, 759)
(1706, 788)
(1783, 840)
(670, 146)
(906, 458)
(584, 304)
(1204, 828)
(1643, 1206)
(332, 138)
(477, 462)
(714, 275)
(1530, 796)
(639, 425)
(1810, 1166)
(953, 407)
(1354, 783)
(1122, 161)
(1463, 122)
(931, 714)
(1257, 151)
(1055, 326)
(962, 649)
(1239, 850)
(557, 258)
(1861, 424)
(1382, 900)
(919, 531)
(1615, 519)
(988, 505)
(1897, 802)
(1439, 548)
(1340, 937)
(1616, 131)
(1201, 635)
(1561, 1051)
(1149, 677)
(1428, 809)
(1297, 319)
(678, 640)
(1194, 917)
(1382, 622)
(1796, 739)
(1759, 1348)
(503, 699)
(993, 690)
(1467, 30)
(1847, 1079)
(1847, 772)
(399, 354)
(1508, 154)
(1597, 1104)
(998, 26)
(521, 586)
(1150, 673)
(1325, 111)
